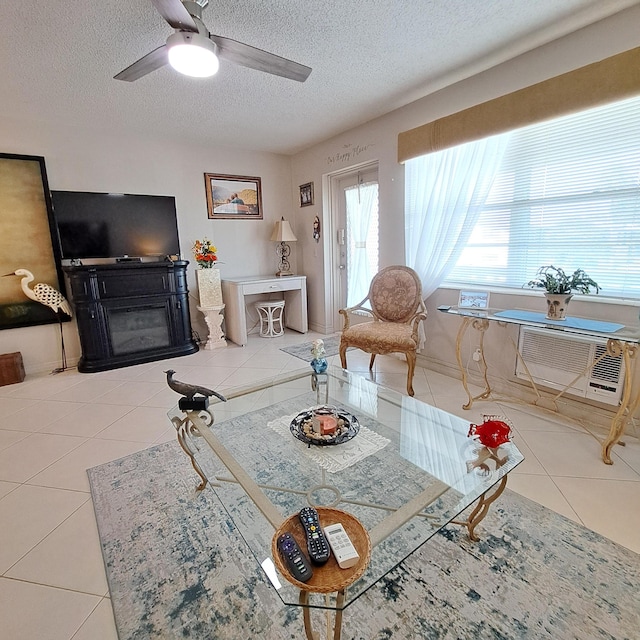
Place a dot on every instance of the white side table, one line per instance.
(213, 317)
(237, 290)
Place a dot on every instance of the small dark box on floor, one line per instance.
(11, 368)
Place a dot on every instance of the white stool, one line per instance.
(271, 318)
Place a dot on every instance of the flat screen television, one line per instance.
(115, 225)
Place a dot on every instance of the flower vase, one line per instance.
(209, 287)
(319, 365)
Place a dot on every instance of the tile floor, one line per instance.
(53, 427)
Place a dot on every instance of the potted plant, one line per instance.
(558, 286)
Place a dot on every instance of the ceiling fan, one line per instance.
(194, 51)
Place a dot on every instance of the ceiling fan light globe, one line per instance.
(192, 55)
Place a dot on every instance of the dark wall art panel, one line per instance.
(26, 231)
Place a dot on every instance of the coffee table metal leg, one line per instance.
(184, 431)
(337, 625)
(306, 614)
(194, 464)
(481, 509)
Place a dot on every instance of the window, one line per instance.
(565, 192)
(362, 235)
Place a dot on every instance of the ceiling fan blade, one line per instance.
(152, 61)
(248, 56)
(176, 14)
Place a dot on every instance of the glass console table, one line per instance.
(621, 342)
(410, 470)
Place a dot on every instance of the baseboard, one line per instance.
(592, 414)
(320, 328)
(49, 367)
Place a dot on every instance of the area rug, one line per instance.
(303, 350)
(177, 568)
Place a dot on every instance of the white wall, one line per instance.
(377, 140)
(87, 161)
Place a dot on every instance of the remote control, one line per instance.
(317, 546)
(342, 547)
(295, 560)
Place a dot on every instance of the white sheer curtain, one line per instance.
(361, 203)
(444, 192)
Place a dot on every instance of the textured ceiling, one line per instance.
(58, 59)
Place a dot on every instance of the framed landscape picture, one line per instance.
(233, 197)
(473, 300)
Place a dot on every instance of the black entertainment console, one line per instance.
(132, 312)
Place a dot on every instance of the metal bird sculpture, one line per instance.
(50, 297)
(190, 390)
(43, 293)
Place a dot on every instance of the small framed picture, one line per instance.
(473, 300)
(306, 194)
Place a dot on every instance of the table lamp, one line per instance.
(282, 233)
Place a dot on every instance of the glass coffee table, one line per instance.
(402, 471)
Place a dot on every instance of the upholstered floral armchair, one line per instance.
(395, 298)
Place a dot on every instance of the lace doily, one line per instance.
(334, 458)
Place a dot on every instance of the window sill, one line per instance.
(509, 291)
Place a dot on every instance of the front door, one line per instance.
(355, 219)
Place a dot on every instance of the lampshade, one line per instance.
(192, 54)
(282, 232)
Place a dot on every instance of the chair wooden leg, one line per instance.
(343, 354)
(373, 357)
(411, 363)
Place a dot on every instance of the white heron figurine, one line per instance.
(43, 293)
(48, 296)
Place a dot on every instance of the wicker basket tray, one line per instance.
(328, 577)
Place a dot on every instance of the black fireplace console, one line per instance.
(130, 313)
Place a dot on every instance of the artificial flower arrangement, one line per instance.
(204, 253)
(317, 349)
(319, 363)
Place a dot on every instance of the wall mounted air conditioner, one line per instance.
(555, 360)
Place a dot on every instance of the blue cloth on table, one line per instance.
(573, 323)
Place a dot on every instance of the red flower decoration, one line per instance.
(491, 433)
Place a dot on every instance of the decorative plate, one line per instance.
(348, 427)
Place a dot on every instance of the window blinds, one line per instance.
(567, 193)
